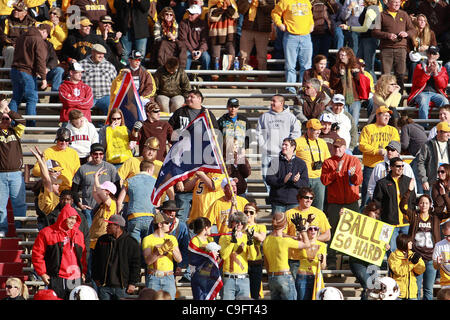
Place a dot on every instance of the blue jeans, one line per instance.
(183, 201)
(304, 284)
(414, 168)
(109, 293)
(282, 208)
(428, 278)
(129, 43)
(293, 267)
(367, 50)
(278, 45)
(205, 60)
(355, 109)
(338, 38)
(166, 283)
(88, 215)
(321, 44)
(265, 162)
(200, 286)
(296, 49)
(233, 288)
(139, 227)
(359, 270)
(423, 101)
(351, 38)
(367, 172)
(55, 77)
(319, 190)
(102, 104)
(25, 88)
(282, 288)
(12, 186)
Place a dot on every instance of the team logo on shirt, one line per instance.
(76, 92)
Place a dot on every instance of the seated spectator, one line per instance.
(12, 27)
(83, 134)
(311, 101)
(16, 289)
(99, 75)
(143, 79)
(55, 73)
(193, 34)
(167, 44)
(387, 93)
(444, 116)
(429, 84)
(347, 127)
(111, 37)
(328, 132)
(75, 94)
(59, 30)
(172, 85)
(319, 71)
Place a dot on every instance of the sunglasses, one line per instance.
(167, 222)
(10, 287)
(441, 171)
(156, 111)
(308, 197)
(313, 228)
(116, 118)
(97, 153)
(64, 140)
(399, 165)
(5, 119)
(251, 212)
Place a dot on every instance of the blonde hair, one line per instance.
(382, 85)
(424, 35)
(23, 289)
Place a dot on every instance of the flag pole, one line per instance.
(220, 155)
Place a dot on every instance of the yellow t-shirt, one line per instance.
(219, 212)
(47, 201)
(259, 228)
(296, 15)
(234, 260)
(275, 252)
(131, 167)
(320, 220)
(203, 198)
(98, 227)
(164, 263)
(309, 264)
(304, 150)
(372, 139)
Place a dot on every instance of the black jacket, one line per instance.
(385, 195)
(129, 259)
(286, 193)
(180, 119)
(136, 13)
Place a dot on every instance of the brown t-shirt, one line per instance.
(423, 239)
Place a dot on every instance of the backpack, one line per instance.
(322, 22)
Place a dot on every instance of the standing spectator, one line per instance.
(314, 151)
(311, 101)
(323, 33)
(441, 255)
(342, 175)
(59, 253)
(75, 94)
(406, 265)
(286, 176)
(111, 37)
(172, 85)
(99, 74)
(93, 12)
(432, 154)
(425, 232)
(387, 195)
(193, 34)
(276, 247)
(297, 23)
(393, 28)
(132, 22)
(442, 184)
(82, 133)
(372, 143)
(348, 79)
(437, 13)
(273, 126)
(67, 157)
(116, 261)
(28, 65)
(348, 129)
(16, 24)
(154, 127)
(84, 180)
(142, 78)
(351, 10)
(429, 84)
(11, 159)
(387, 93)
(256, 29)
(160, 250)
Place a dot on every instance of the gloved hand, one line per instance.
(137, 125)
(415, 258)
(166, 247)
(299, 222)
(250, 234)
(233, 236)
(311, 218)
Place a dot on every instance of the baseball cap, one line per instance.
(84, 21)
(116, 219)
(433, 50)
(394, 145)
(76, 67)
(108, 185)
(338, 98)
(53, 165)
(383, 109)
(314, 124)
(97, 147)
(46, 294)
(161, 217)
(20, 6)
(135, 54)
(327, 117)
(99, 48)
(443, 126)
(233, 102)
(339, 142)
(106, 19)
(194, 9)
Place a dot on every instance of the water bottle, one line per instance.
(236, 63)
(216, 64)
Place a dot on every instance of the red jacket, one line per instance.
(341, 188)
(420, 78)
(75, 96)
(59, 251)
